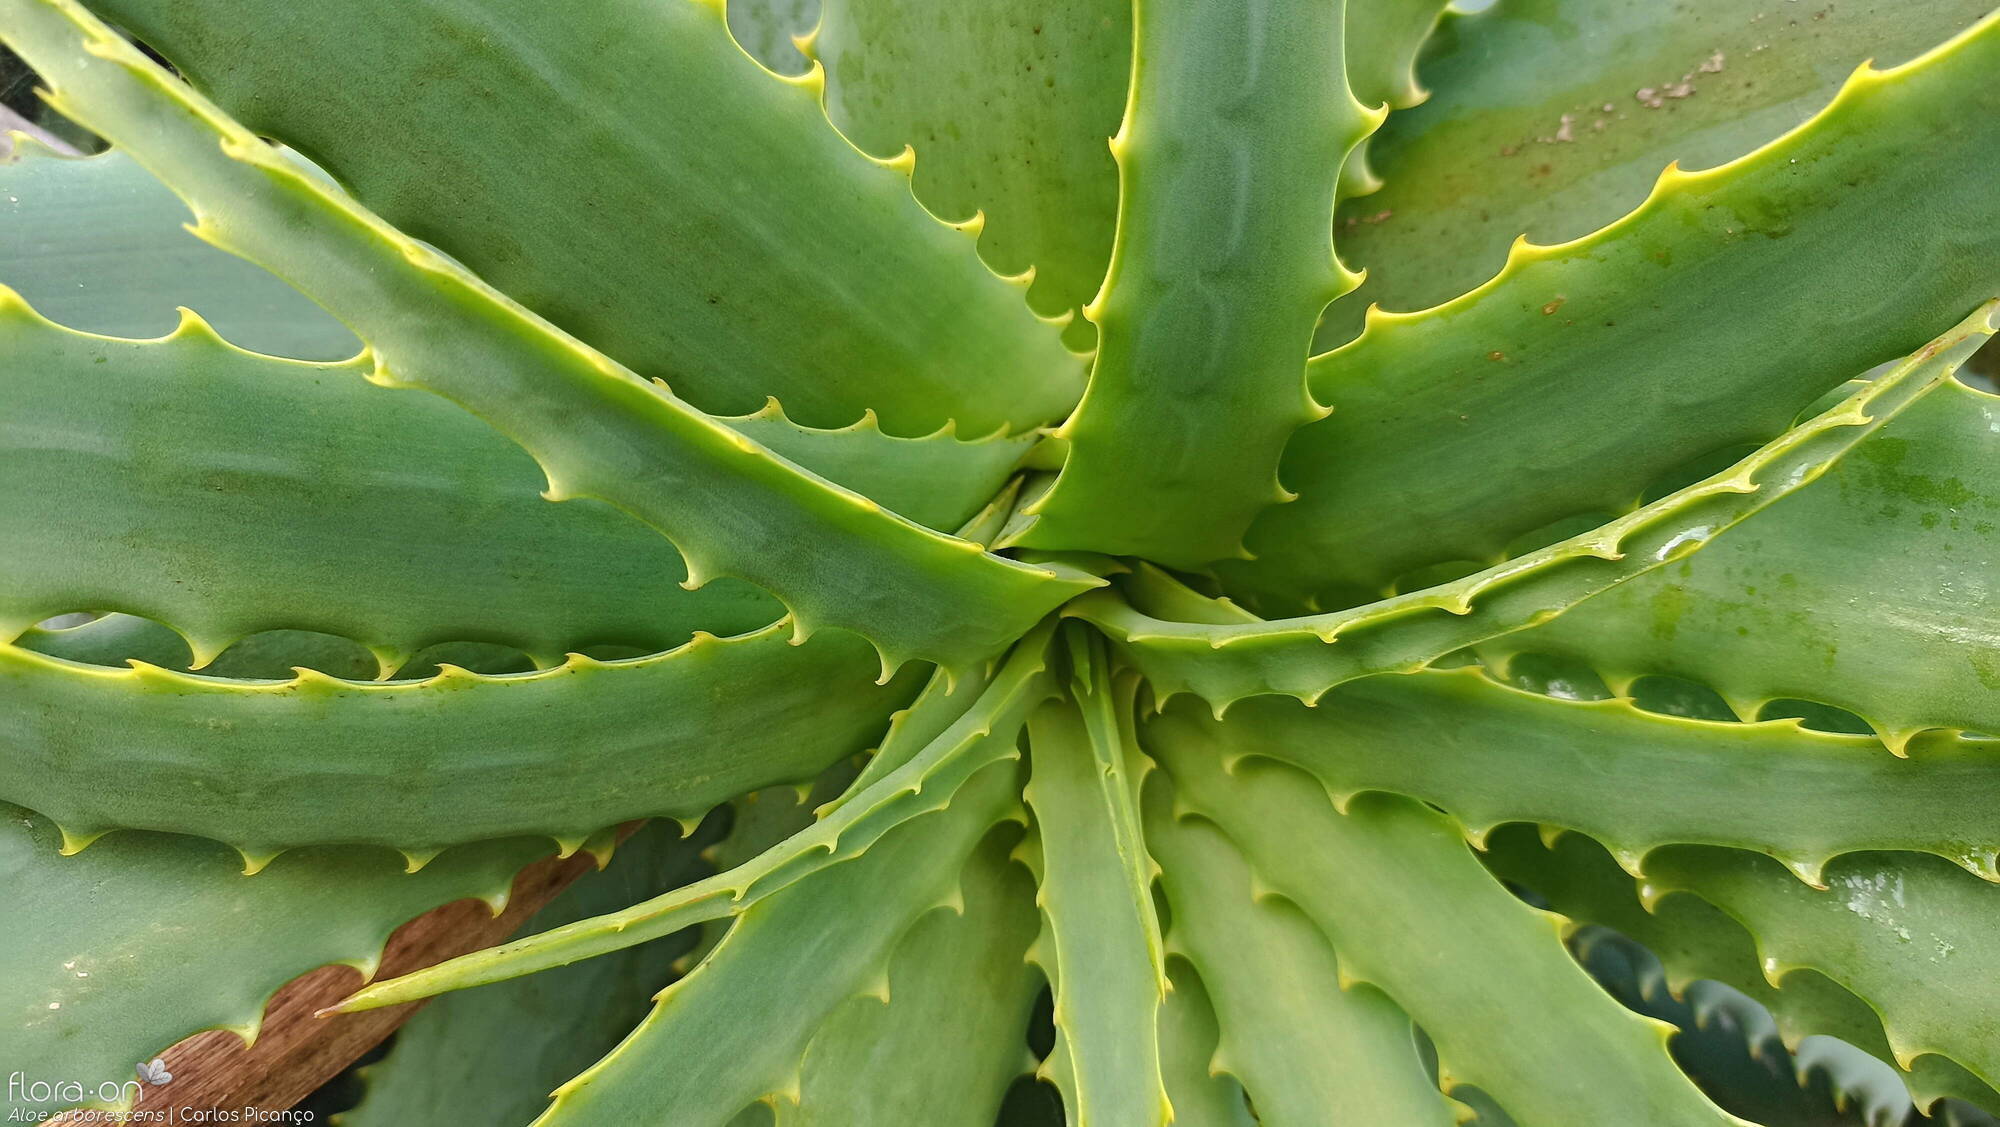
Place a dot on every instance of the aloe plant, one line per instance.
(1177, 506)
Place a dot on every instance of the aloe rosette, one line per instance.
(1286, 530)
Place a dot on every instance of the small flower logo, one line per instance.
(155, 1073)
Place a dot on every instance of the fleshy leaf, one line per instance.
(1017, 137)
(797, 956)
(1383, 40)
(596, 428)
(1101, 939)
(493, 1056)
(97, 244)
(694, 247)
(1189, 1033)
(224, 493)
(111, 956)
(1552, 118)
(1396, 891)
(1870, 590)
(1910, 934)
(1632, 780)
(1307, 1047)
(1586, 372)
(984, 732)
(1696, 941)
(1303, 657)
(1228, 156)
(939, 1049)
(269, 765)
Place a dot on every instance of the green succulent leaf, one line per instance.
(1633, 602)
(705, 260)
(97, 244)
(1020, 137)
(1223, 662)
(493, 1056)
(1541, 370)
(111, 956)
(1189, 1033)
(1696, 941)
(416, 765)
(368, 496)
(1459, 953)
(386, 516)
(273, 655)
(960, 988)
(1238, 121)
(1382, 43)
(1552, 118)
(1632, 780)
(806, 950)
(596, 428)
(1279, 1042)
(985, 732)
(1910, 934)
(1101, 937)
(1893, 551)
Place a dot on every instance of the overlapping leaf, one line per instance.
(1632, 780)
(1239, 119)
(1552, 118)
(803, 953)
(1100, 941)
(1872, 589)
(494, 1056)
(1585, 372)
(922, 777)
(1696, 941)
(693, 247)
(114, 955)
(1223, 658)
(597, 429)
(1406, 908)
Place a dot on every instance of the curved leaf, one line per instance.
(690, 246)
(1632, 780)
(1019, 135)
(1226, 661)
(492, 1057)
(269, 765)
(1871, 589)
(1406, 908)
(1910, 934)
(936, 1050)
(985, 732)
(798, 955)
(1639, 85)
(97, 244)
(1188, 1036)
(1696, 941)
(1314, 1051)
(225, 493)
(1239, 119)
(1585, 372)
(597, 429)
(111, 956)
